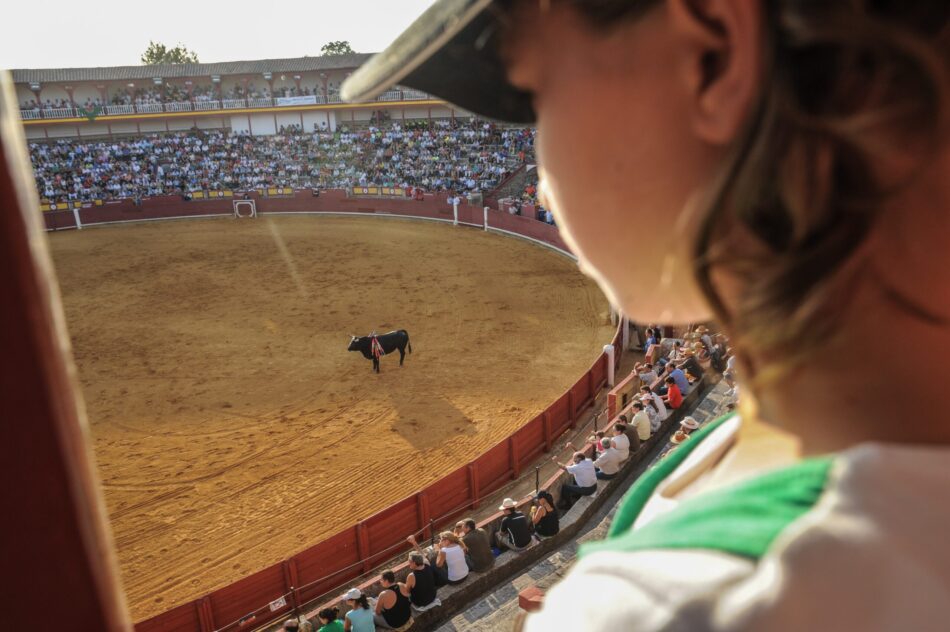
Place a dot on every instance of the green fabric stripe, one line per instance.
(640, 492)
(742, 520)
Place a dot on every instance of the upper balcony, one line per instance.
(75, 94)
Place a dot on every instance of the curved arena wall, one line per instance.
(273, 592)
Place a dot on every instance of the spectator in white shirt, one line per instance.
(585, 479)
(620, 441)
(661, 410)
(608, 463)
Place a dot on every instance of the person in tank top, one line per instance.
(393, 609)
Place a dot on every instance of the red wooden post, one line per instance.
(515, 461)
(546, 422)
(290, 581)
(362, 545)
(422, 504)
(571, 412)
(473, 483)
(205, 614)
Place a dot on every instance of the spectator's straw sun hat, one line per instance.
(353, 593)
(507, 503)
(679, 437)
(689, 423)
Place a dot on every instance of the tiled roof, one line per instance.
(173, 71)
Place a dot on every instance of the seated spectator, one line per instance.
(620, 440)
(478, 543)
(360, 617)
(673, 396)
(679, 377)
(584, 481)
(393, 608)
(651, 340)
(544, 516)
(421, 583)
(607, 465)
(691, 365)
(641, 421)
(329, 620)
(646, 373)
(451, 557)
(647, 396)
(513, 533)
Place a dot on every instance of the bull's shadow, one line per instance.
(431, 421)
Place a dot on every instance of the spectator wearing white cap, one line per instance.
(514, 532)
(661, 410)
(360, 618)
(608, 463)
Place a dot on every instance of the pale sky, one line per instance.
(60, 34)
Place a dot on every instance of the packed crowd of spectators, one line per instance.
(461, 156)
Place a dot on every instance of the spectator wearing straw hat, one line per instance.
(513, 533)
(393, 609)
(607, 465)
(360, 617)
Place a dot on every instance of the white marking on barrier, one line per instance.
(76, 217)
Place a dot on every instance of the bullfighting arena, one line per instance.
(231, 426)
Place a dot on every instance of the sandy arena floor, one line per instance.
(231, 426)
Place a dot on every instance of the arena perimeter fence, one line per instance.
(273, 592)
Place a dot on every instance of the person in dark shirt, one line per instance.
(393, 609)
(514, 533)
(544, 515)
(478, 542)
(421, 583)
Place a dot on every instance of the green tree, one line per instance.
(158, 53)
(337, 48)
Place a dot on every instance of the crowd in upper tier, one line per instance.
(462, 156)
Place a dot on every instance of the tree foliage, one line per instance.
(341, 47)
(158, 53)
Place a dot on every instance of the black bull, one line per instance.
(390, 342)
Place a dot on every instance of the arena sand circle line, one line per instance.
(275, 437)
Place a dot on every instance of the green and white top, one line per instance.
(854, 541)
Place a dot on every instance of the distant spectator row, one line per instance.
(465, 157)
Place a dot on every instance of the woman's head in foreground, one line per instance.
(743, 161)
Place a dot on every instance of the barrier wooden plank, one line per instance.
(493, 468)
(231, 603)
(448, 497)
(328, 564)
(387, 529)
(560, 415)
(529, 440)
(184, 618)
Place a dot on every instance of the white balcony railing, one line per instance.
(391, 95)
(260, 103)
(204, 106)
(178, 106)
(148, 108)
(112, 110)
(53, 113)
(233, 104)
(30, 115)
(414, 95)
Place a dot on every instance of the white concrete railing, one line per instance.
(148, 108)
(178, 106)
(119, 109)
(204, 106)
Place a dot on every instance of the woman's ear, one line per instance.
(721, 62)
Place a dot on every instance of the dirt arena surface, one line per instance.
(232, 429)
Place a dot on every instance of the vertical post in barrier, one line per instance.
(455, 211)
(537, 479)
(432, 531)
(570, 409)
(515, 461)
(205, 615)
(624, 333)
(422, 505)
(473, 483)
(76, 217)
(362, 546)
(611, 376)
(485, 220)
(546, 424)
(290, 580)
